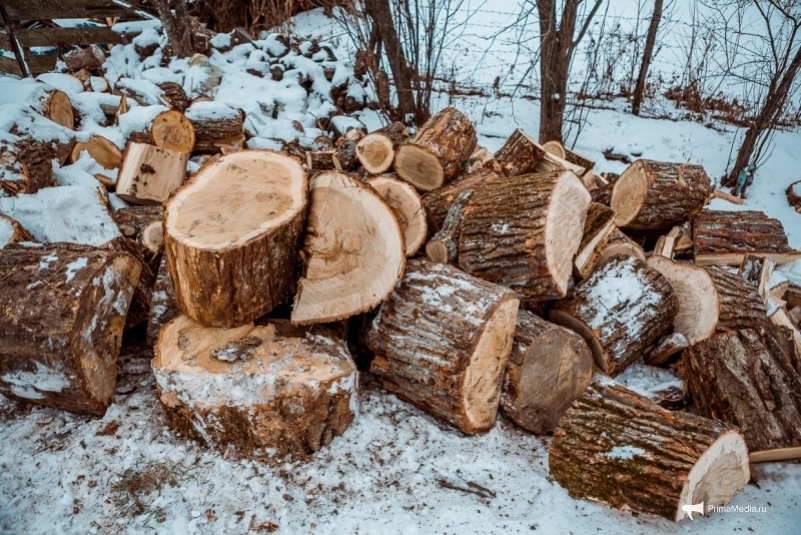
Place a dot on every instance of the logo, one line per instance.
(690, 509)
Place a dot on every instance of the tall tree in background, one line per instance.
(650, 42)
(174, 17)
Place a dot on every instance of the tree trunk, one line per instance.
(647, 54)
(549, 368)
(443, 247)
(12, 232)
(232, 236)
(407, 206)
(216, 126)
(620, 448)
(442, 341)
(376, 151)
(254, 390)
(726, 237)
(149, 174)
(437, 203)
(519, 154)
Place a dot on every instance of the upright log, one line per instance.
(726, 237)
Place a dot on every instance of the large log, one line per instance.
(232, 235)
(437, 203)
(739, 303)
(11, 232)
(404, 200)
(170, 129)
(620, 310)
(620, 448)
(438, 152)
(524, 232)
(354, 251)
(726, 237)
(376, 151)
(149, 174)
(216, 126)
(442, 341)
(63, 312)
(747, 378)
(520, 154)
(253, 389)
(653, 195)
(549, 367)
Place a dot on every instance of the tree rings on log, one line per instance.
(169, 130)
(57, 107)
(254, 390)
(376, 151)
(619, 244)
(232, 235)
(405, 201)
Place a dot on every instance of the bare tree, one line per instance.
(174, 17)
(650, 41)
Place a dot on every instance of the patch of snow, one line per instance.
(200, 111)
(648, 381)
(6, 232)
(791, 271)
(221, 40)
(73, 267)
(30, 385)
(64, 82)
(624, 453)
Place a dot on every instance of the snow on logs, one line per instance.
(232, 235)
(63, 311)
(620, 310)
(12, 232)
(442, 341)
(255, 389)
(620, 448)
(405, 201)
(156, 125)
(354, 251)
(216, 126)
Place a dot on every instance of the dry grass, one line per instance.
(132, 490)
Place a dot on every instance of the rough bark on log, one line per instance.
(747, 378)
(438, 152)
(175, 96)
(725, 237)
(520, 154)
(438, 202)
(90, 58)
(620, 448)
(101, 150)
(139, 309)
(63, 312)
(620, 244)
(354, 251)
(163, 306)
(323, 160)
(482, 158)
(442, 341)
(345, 158)
(169, 130)
(27, 164)
(620, 310)
(523, 233)
(11, 232)
(549, 368)
(597, 228)
(740, 305)
(405, 201)
(14, 175)
(667, 347)
(793, 296)
(131, 220)
(253, 390)
(232, 235)
(216, 125)
(579, 160)
(443, 247)
(149, 174)
(376, 151)
(653, 195)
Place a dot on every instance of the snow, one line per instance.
(200, 111)
(6, 232)
(791, 271)
(648, 381)
(64, 82)
(74, 266)
(29, 385)
(624, 453)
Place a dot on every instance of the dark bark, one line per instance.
(176, 26)
(647, 55)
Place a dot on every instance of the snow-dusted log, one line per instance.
(376, 151)
(12, 232)
(253, 390)
(597, 229)
(438, 152)
(216, 126)
(653, 195)
(163, 306)
(354, 251)
(520, 154)
(724, 238)
(524, 232)
(170, 129)
(26, 165)
(442, 341)
(63, 312)
(747, 378)
(438, 202)
(739, 304)
(101, 149)
(174, 95)
(619, 244)
(620, 310)
(620, 448)
(405, 201)
(667, 346)
(549, 367)
(148, 174)
(232, 235)
(443, 247)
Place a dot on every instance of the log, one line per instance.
(149, 174)
(151, 239)
(793, 295)
(667, 243)
(216, 125)
(232, 234)
(11, 232)
(131, 220)
(726, 237)
(101, 150)
(549, 368)
(443, 247)
(620, 310)
(253, 390)
(555, 148)
(64, 309)
(579, 160)
(437, 203)
(169, 130)
(597, 228)
(14, 175)
(442, 341)
(27, 164)
(90, 58)
(354, 251)
(620, 448)
(143, 92)
(322, 160)
(163, 306)
(56, 106)
(758, 270)
(747, 378)
(98, 84)
(524, 232)
(376, 151)
(666, 387)
(794, 195)
(739, 303)
(667, 347)
(438, 152)
(520, 154)
(345, 157)
(620, 244)
(653, 195)
(175, 96)
(482, 158)
(408, 207)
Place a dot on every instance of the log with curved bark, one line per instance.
(254, 390)
(216, 126)
(442, 341)
(739, 303)
(169, 130)
(131, 220)
(619, 244)
(12, 232)
(549, 367)
(376, 151)
(344, 157)
(620, 310)
(101, 149)
(354, 251)
(26, 165)
(519, 154)
(620, 448)
(438, 202)
(404, 200)
(232, 235)
(726, 237)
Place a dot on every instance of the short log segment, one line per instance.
(619, 244)
(376, 151)
(354, 251)
(726, 237)
(443, 247)
(524, 232)
(437, 203)
(169, 130)
(344, 157)
(405, 201)
(620, 310)
(11, 232)
(653, 195)
(101, 150)
(254, 390)
(549, 368)
(232, 236)
(739, 303)
(216, 126)
(747, 378)
(520, 154)
(149, 174)
(597, 228)
(62, 313)
(442, 341)
(438, 152)
(620, 448)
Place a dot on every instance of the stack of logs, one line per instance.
(474, 282)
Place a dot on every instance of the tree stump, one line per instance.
(739, 303)
(354, 251)
(620, 310)
(520, 154)
(653, 195)
(524, 232)
(437, 203)
(253, 390)
(216, 125)
(149, 174)
(438, 152)
(63, 312)
(11, 232)
(620, 448)
(404, 200)
(726, 237)
(597, 228)
(442, 341)
(232, 235)
(376, 151)
(549, 368)
(169, 130)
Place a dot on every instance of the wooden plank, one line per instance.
(10, 25)
(779, 454)
(9, 65)
(65, 9)
(40, 63)
(736, 258)
(70, 36)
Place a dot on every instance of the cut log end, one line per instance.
(152, 237)
(629, 194)
(437, 251)
(172, 130)
(406, 203)
(376, 153)
(419, 167)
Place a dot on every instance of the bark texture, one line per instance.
(648, 52)
(443, 247)
(163, 306)
(717, 233)
(739, 302)
(519, 155)
(216, 129)
(597, 229)
(438, 202)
